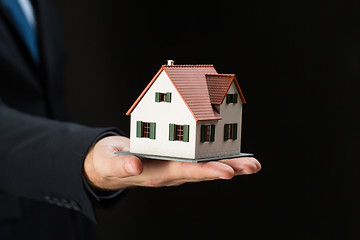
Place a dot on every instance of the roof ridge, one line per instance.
(189, 65)
(220, 74)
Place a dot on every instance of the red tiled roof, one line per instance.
(219, 85)
(200, 86)
(191, 83)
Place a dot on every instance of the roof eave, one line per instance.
(209, 119)
(128, 113)
(238, 88)
(187, 105)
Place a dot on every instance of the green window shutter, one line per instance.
(168, 97)
(228, 98)
(186, 133)
(212, 133)
(226, 130)
(138, 129)
(171, 132)
(235, 98)
(202, 135)
(157, 97)
(152, 130)
(235, 131)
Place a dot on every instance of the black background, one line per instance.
(298, 64)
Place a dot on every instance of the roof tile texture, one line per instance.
(200, 86)
(218, 85)
(191, 84)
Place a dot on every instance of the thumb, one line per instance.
(124, 166)
(104, 169)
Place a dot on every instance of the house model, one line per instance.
(188, 112)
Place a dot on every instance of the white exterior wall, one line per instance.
(231, 113)
(162, 113)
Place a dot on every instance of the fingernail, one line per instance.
(242, 172)
(225, 177)
(130, 169)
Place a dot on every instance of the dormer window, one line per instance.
(163, 97)
(231, 98)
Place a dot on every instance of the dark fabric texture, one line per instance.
(23, 25)
(42, 193)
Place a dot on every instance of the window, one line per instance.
(207, 133)
(178, 132)
(231, 98)
(145, 129)
(230, 131)
(163, 97)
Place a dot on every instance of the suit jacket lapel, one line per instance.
(48, 40)
(51, 49)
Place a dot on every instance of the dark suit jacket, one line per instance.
(42, 195)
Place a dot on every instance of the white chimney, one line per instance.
(170, 62)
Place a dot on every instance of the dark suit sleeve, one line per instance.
(43, 159)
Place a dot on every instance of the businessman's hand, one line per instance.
(105, 170)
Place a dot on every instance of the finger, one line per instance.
(124, 166)
(204, 171)
(244, 165)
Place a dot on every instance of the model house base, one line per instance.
(208, 159)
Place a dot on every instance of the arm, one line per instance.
(43, 159)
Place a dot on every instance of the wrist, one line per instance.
(89, 170)
(89, 173)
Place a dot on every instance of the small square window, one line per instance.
(207, 133)
(178, 132)
(163, 97)
(231, 98)
(230, 131)
(146, 129)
